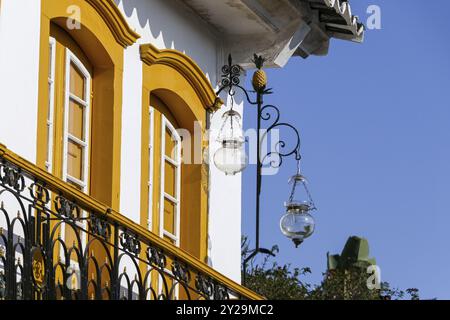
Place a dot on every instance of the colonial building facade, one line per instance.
(108, 115)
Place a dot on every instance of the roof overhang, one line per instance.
(278, 29)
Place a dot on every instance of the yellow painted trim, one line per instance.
(185, 66)
(90, 203)
(184, 103)
(106, 55)
(61, 37)
(116, 22)
(178, 75)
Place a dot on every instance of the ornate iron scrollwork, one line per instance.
(156, 257)
(230, 74)
(221, 293)
(231, 78)
(67, 208)
(39, 193)
(279, 151)
(211, 289)
(100, 226)
(30, 268)
(181, 272)
(204, 285)
(12, 177)
(130, 242)
(38, 266)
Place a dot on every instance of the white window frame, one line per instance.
(51, 105)
(71, 58)
(177, 163)
(83, 184)
(151, 134)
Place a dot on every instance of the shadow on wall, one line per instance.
(209, 261)
(172, 25)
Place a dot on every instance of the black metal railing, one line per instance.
(57, 243)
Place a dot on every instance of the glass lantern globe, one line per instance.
(297, 223)
(231, 157)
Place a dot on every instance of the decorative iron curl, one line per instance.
(221, 292)
(231, 79)
(204, 285)
(156, 257)
(278, 153)
(100, 227)
(67, 208)
(12, 177)
(181, 272)
(39, 193)
(230, 74)
(130, 243)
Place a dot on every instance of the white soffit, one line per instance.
(277, 29)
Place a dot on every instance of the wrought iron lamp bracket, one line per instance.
(269, 114)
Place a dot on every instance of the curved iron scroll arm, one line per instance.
(266, 115)
(230, 80)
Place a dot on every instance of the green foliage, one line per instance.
(345, 284)
(277, 282)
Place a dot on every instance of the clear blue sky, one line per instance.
(375, 126)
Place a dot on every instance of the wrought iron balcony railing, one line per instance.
(58, 243)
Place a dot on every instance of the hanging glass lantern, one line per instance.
(298, 224)
(231, 157)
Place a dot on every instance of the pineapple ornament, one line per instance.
(259, 80)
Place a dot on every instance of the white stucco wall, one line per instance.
(130, 177)
(19, 66)
(224, 245)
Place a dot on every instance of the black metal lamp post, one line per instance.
(297, 224)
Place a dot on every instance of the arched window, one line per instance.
(79, 111)
(69, 115)
(81, 71)
(70, 83)
(176, 99)
(165, 162)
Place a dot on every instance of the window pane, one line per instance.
(76, 117)
(75, 160)
(170, 147)
(77, 82)
(169, 179)
(169, 216)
